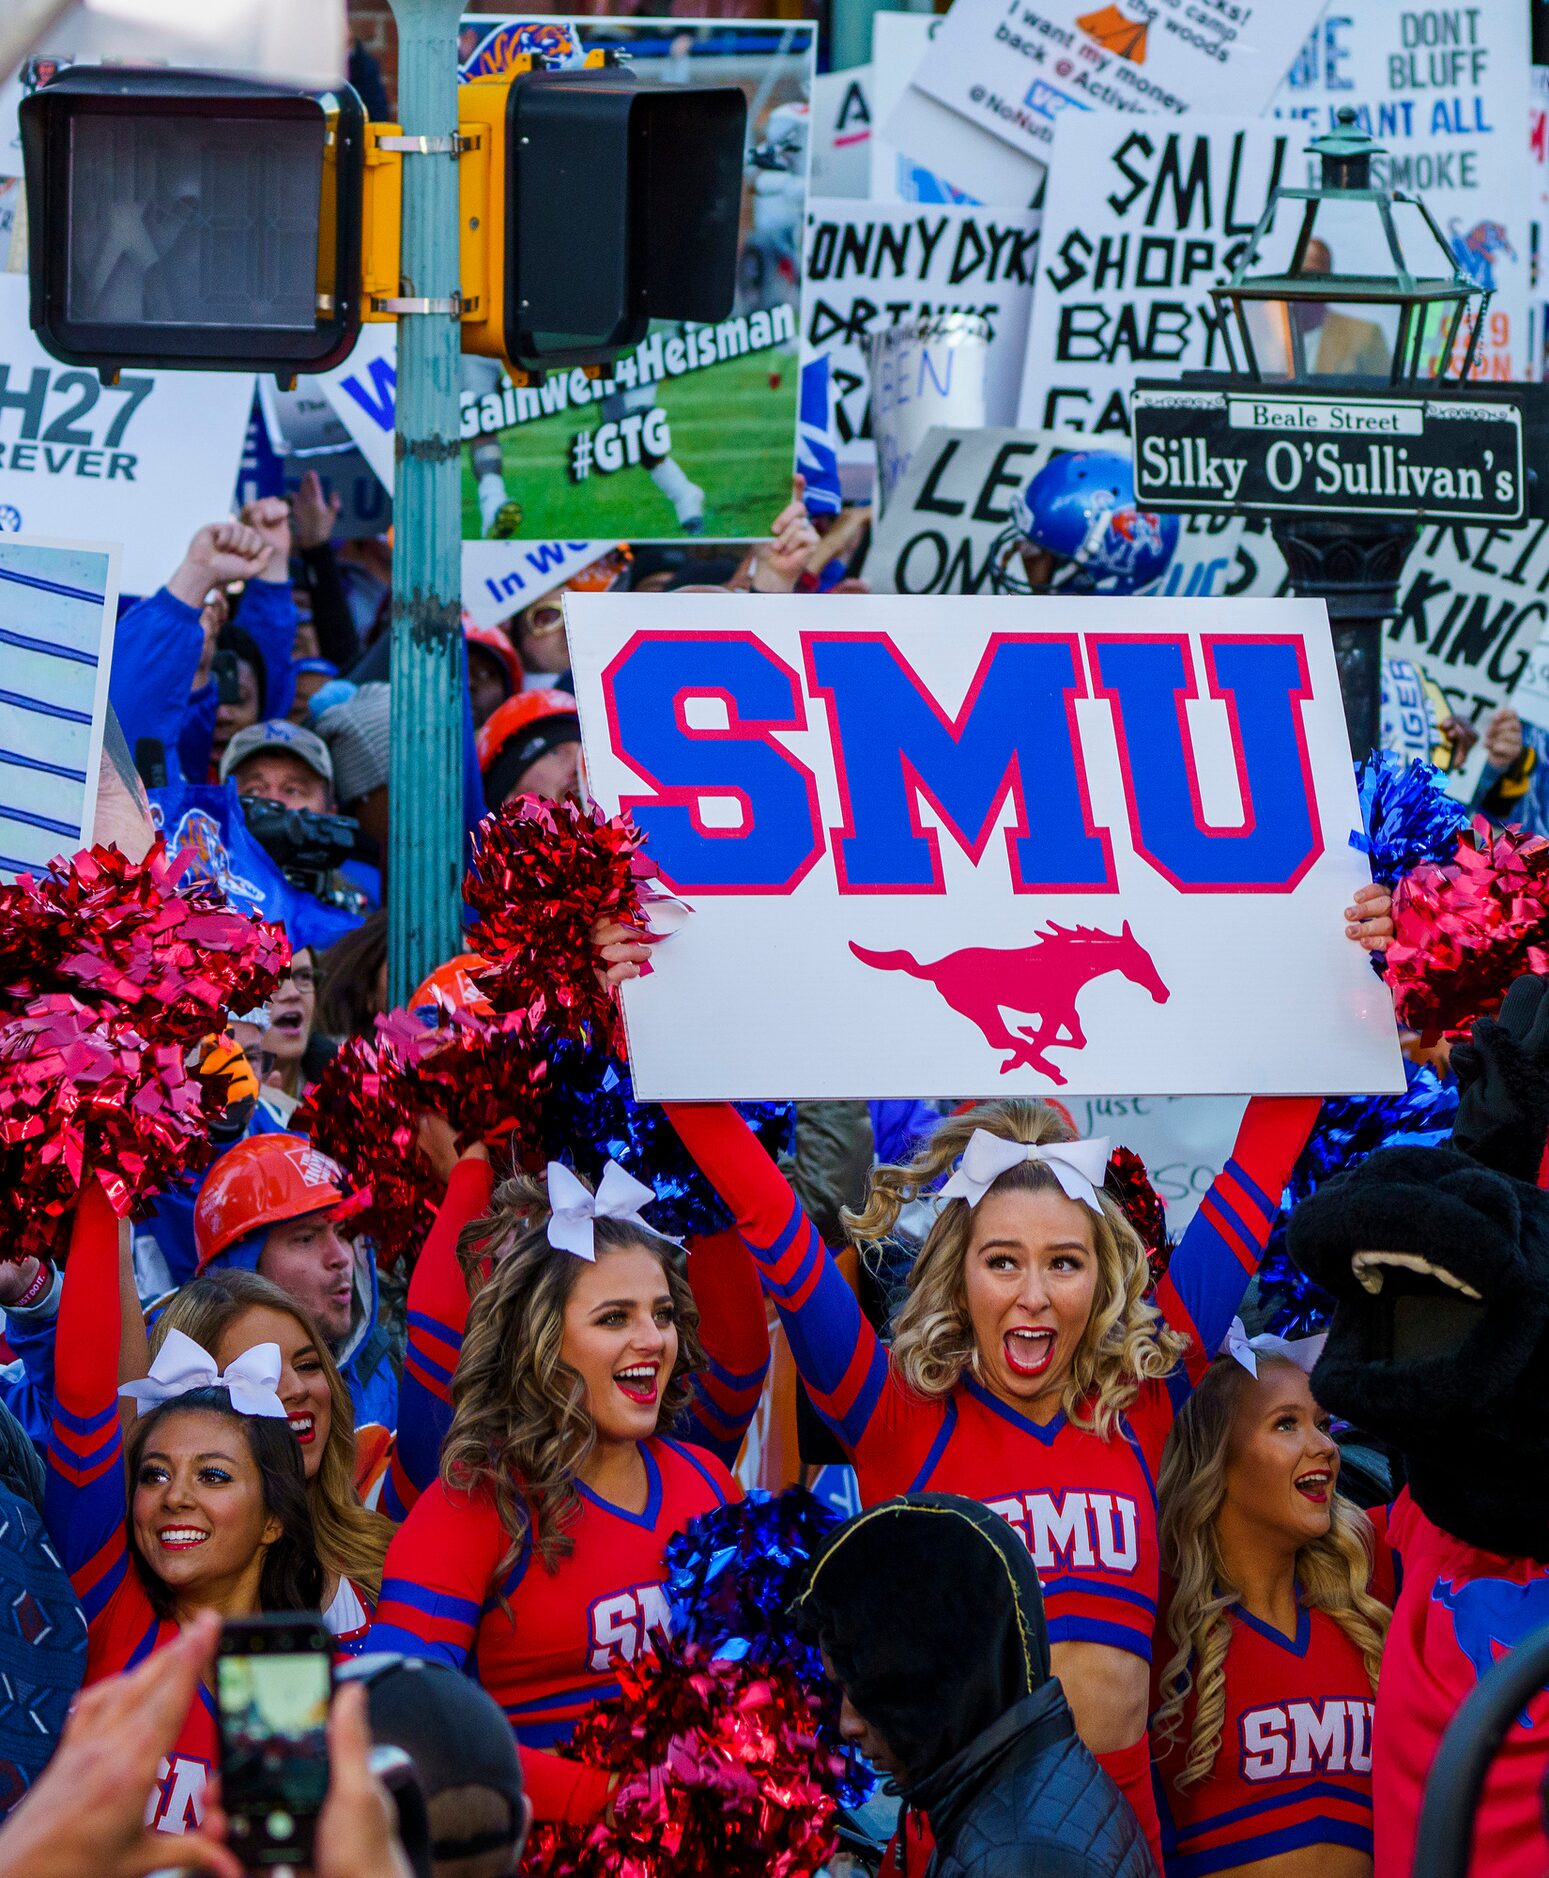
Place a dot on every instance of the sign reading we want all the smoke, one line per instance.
(972, 843)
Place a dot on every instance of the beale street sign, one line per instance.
(1280, 450)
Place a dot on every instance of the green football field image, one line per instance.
(733, 432)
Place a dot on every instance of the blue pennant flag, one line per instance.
(816, 455)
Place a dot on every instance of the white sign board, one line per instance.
(58, 603)
(873, 265)
(948, 526)
(972, 844)
(1016, 70)
(1142, 219)
(841, 133)
(1447, 92)
(144, 463)
(1531, 697)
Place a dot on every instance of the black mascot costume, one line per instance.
(1438, 1262)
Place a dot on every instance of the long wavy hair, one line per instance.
(1125, 1343)
(521, 1429)
(292, 1578)
(352, 1541)
(1332, 1573)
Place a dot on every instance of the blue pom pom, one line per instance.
(1349, 1128)
(1407, 816)
(733, 1576)
(590, 1116)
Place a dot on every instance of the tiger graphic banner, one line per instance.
(971, 846)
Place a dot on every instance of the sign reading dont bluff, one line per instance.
(1278, 450)
(963, 846)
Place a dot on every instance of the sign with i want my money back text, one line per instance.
(1338, 454)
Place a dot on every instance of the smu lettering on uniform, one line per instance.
(621, 1624)
(1333, 1737)
(1074, 1531)
(895, 745)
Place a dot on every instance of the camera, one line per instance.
(306, 847)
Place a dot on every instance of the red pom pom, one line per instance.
(134, 941)
(1128, 1183)
(110, 971)
(543, 875)
(481, 1073)
(1465, 928)
(724, 1777)
(83, 1096)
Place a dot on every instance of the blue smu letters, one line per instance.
(1016, 732)
(1264, 682)
(778, 838)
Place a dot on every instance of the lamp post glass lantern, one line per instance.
(1394, 323)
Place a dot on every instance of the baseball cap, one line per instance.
(356, 733)
(278, 734)
(452, 1730)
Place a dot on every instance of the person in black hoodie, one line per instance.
(930, 1618)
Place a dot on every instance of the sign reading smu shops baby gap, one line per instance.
(986, 845)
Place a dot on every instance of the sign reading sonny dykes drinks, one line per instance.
(1272, 451)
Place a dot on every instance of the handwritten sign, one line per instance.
(975, 844)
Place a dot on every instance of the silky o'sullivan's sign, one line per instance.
(1264, 451)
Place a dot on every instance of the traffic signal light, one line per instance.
(184, 219)
(608, 204)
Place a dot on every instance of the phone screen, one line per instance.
(273, 1707)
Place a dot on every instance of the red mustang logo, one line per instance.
(1040, 981)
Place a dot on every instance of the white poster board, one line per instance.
(972, 845)
(948, 526)
(1017, 70)
(841, 133)
(872, 265)
(144, 463)
(1141, 220)
(1447, 92)
(58, 604)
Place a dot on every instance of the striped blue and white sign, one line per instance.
(57, 606)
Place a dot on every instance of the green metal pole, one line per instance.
(424, 850)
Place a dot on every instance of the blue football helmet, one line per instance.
(1081, 508)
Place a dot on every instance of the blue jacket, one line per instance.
(156, 651)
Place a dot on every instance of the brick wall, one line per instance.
(371, 21)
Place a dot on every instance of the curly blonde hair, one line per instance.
(1125, 1343)
(1332, 1572)
(351, 1540)
(521, 1430)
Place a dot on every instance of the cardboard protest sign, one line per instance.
(1017, 69)
(949, 526)
(143, 463)
(1142, 219)
(941, 149)
(841, 133)
(974, 844)
(873, 265)
(693, 433)
(58, 603)
(1446, 90)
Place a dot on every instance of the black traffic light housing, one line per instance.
(193, 221)
(622, 205)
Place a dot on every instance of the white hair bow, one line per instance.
(1079, 1166)
(1303, 1352)
(181, 1365)
(574, 1211)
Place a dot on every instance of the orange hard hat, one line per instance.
(452, 985)
(511, 720)
(259, 1182)
(599, 575)
(492, 640)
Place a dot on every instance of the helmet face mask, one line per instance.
(1079, 511)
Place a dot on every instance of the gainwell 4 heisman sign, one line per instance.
(1259, 451)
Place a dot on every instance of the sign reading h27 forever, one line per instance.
(976, 847)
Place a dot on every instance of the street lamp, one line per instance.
(1314, 320)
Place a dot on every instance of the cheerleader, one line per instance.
(1262, 1732)
(203, 1508)
(538, 1555)
(1029, 1367)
